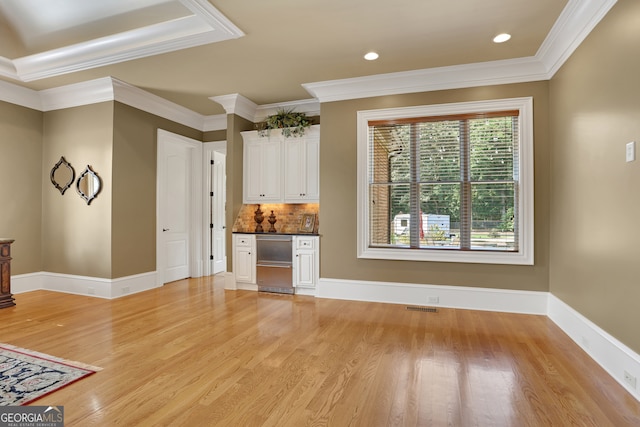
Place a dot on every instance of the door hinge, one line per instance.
(211, 193)
(212, 161)
(210, 225)
(211, 257)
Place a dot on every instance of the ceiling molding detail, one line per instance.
(309, 106)
(154, 104)
(573, 25)
(237, 104)
(244, 107)
(216, 122)
(207, 25)
(19, 95)
(103, 90)
(430, 79)
(77, 94)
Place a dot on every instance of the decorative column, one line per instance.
(6, 298)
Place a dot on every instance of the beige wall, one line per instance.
(114, 236)
(338, 195)
(21, 189)
(214, 135)
(595, 227)
(133, 216)
(76, 237)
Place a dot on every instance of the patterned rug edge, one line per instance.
(44, 356)
(85, 369)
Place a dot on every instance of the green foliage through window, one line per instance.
(459, 171)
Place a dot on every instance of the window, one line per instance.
(450, 182)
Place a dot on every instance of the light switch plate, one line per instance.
(631, 151)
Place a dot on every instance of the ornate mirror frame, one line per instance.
(62, 186)
(88, 185)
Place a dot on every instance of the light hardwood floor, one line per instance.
(192, 354)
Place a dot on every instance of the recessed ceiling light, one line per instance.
(371, 56)
(501, 38)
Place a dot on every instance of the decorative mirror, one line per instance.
(62, 175)
(88, 185)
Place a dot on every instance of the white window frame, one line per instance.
(525, 255)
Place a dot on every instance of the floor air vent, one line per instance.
(425, 309)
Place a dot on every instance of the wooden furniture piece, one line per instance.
(6, 298)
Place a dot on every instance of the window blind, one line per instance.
(446, 182)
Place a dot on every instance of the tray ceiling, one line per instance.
(189, 51)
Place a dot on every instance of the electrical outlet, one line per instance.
(631, 151)
(433, 300)
(630, 380)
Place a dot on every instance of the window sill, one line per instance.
(444, 255)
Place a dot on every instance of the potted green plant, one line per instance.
(292, 123)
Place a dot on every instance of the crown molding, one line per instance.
(77, 94)
(430, 79)
(311, 107)
(146, 101)
(206, 25)
(216, 122)
(575, 22)
(7, 69)
(103, 90)
(19, 95)
(237, 104)
(573, 25)
(244, 107)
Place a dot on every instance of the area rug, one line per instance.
(26, 375)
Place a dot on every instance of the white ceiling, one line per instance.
(188, 51)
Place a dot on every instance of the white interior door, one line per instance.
(218, 212)
(176, 256)
(215, 210)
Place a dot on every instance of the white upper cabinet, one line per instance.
(281, 170)
(302, 168)
(262, 170)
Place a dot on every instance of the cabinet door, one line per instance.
(271, 172)
(244, 266)
(302, 169)
(312, 170)
(252, 171)
(306, 269)
(262, 171)
(244, 258)
(294, 185)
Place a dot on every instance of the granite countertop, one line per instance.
(265, 233)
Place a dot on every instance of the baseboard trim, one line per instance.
(230, 281)
(83, 285)
(299, 290)
(612, 355)
(505, 300)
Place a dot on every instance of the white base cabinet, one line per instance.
(305, 260)
(306, 264)
(244, 258)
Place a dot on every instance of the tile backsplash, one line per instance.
(288, 217)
